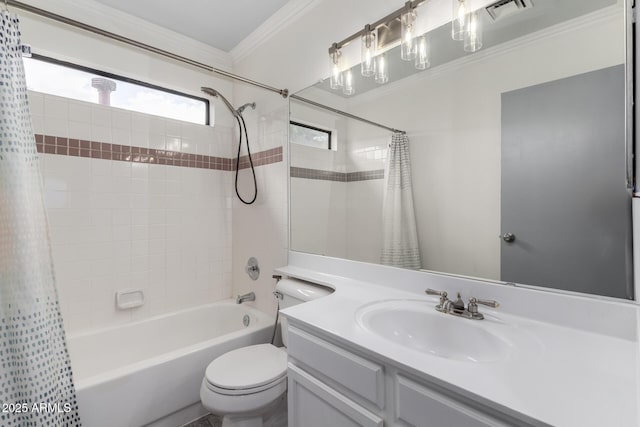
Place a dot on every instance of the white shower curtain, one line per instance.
(399, 234)
(36, 385)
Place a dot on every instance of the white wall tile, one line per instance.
(56, 107)
(36, 103)
(80, 130)
(101, 133)
(79, 112)
(121, 119)
(101, 116)
(117, 225)
(56, 126)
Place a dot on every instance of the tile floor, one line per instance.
(206, 421)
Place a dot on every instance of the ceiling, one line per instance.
(218, 23)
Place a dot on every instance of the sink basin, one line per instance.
(416, 324)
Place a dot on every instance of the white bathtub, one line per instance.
(135, 374)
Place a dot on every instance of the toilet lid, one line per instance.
(248, 367)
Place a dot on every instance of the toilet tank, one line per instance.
(296, 292)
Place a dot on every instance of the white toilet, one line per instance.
(249, 384)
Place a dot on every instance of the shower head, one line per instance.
(216, 94)
(248, 104)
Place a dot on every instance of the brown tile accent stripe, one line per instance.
(273, 155)
(50, 144)
(305, 173)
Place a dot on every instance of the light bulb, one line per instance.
(368, 53)
(460, 21)
(348, 88)
(473, 38)
(335, 80)
(422, 53)
(408, 45)
(382, 72)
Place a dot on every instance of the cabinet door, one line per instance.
(422, 407)
(314, 404)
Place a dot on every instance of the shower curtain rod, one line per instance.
(140, 45)
(344, 113)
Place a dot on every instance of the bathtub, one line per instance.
(138, 373)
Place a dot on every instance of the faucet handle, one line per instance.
(444, 301)
(487, 302)
(441, 294)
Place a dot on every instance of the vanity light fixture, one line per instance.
(382, 71)
(407, 33)
(369, 43)
(460, 19)
(400, 27)
(348, 88)
(336, 72)
(422, 53)
(473, 37)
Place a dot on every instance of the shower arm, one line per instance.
(216, 94)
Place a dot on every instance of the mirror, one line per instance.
(517, 155)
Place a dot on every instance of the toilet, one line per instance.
(248, 385)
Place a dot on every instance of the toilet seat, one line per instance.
(247, 370)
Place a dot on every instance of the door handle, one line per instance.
(508, 237)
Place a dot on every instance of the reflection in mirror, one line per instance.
(517, 154)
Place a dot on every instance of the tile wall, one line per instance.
(135, 202)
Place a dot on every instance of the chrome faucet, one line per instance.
(457, 308)
(251, 296)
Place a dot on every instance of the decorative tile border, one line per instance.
(100, 150)
(273, 155)
(324, 175)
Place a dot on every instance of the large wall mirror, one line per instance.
(517, 154)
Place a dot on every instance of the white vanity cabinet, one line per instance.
(330, 385)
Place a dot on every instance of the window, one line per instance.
(309, 135)
(85, 84)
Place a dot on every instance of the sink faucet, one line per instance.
(457, 308)
(251, 296)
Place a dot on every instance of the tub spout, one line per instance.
(251, 296)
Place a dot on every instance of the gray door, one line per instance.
(563, 191)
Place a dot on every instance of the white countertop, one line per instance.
(567, 377)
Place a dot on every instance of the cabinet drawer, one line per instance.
(359, 375)
(420, 406)
(314, 404)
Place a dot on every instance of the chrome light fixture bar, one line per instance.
(371, 63)
(410, 5)
(465, 26)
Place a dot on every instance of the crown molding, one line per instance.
(600, 16)
(288, 13)
(116, 21)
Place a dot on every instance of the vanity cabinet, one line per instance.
(332, 385)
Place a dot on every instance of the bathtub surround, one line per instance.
(136, 202)
(35, 368)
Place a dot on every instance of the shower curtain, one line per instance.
(399, 233)
(36, 385)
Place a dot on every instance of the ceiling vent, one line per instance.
(503, 8)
